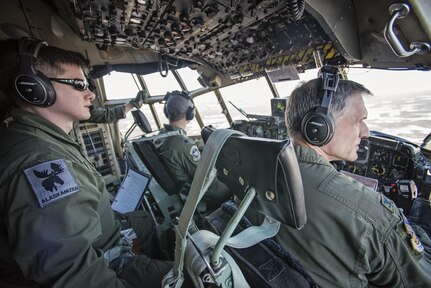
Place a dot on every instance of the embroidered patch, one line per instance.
(414, 241)
(196, 154)
(51, 181)
(387, 203)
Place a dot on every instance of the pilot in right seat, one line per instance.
(354, 237)
(180, 153)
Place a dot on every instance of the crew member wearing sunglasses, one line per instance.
(58, 228)
(104, 114)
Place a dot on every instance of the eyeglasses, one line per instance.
(78, 84)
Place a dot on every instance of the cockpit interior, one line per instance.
(226, 43)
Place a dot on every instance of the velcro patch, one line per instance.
(51, 181)
(387, 203)
(196, 154)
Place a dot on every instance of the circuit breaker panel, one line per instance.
(94, 139)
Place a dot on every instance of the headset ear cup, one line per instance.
(191, 111)
(30, 85)
(35, 89)
(165, 110)
(317, 128)
(165, 107)
(190, 114)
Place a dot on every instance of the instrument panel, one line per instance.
(401, 170)
(382, 162)
(266, 127)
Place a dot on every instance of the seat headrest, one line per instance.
(271, 167)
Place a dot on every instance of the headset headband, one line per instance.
(28, 49)
(177, 93)
(330, 79)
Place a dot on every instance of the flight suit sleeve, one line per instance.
(60, 244)
(106, 114)
(401, 261)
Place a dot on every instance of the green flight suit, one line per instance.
(181, 156)
(57, 218)
(107, 114)
(103, 115)
(354, 236)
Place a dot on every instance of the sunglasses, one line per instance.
(78, 84)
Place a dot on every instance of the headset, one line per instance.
(30, 85)
(318, 125)
(190, 113)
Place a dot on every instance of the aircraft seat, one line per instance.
(263, 174)
(147, 152)
(268, 165)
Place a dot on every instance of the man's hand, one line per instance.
(139, 99)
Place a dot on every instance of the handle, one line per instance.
(400, 11)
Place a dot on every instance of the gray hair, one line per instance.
(308, 95)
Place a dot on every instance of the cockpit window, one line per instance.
(190, 78)
(284, 88)
(158, 85)
(400, 105)
(252, 96)
(119, 86)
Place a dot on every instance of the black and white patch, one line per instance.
(195, 153)
(51, 181)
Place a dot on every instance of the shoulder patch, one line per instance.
(387, 203)
(51, 181)
(196, 154)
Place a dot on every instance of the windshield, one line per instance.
(400, 104)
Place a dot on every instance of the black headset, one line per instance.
(318, 125)
(30, 85)
(190, 113)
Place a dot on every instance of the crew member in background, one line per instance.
(57, 228)
(180, 153)
(354, 236)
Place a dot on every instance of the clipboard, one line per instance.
(131, 191)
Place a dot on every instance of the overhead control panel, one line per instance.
(238, 38)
